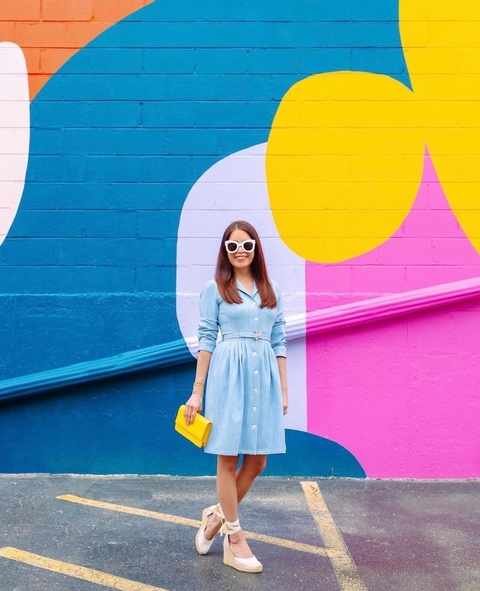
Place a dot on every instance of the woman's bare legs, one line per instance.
(252, 466)
(232, 486)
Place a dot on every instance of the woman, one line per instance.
(247, 383)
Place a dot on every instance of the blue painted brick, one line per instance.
(201, 164)
(260, 113)
(267, 11)
(221, 61)
(164, 168)
(137, 195)
(168, 114)
(58, 114)
(133, 252)
(113, 168)
(220, 114)
(145, 87)
(29, 251)
(116, 315)
(317, 61)
(109, 223)
(105, 279)
(53, 223)
(169, 61)
(327, 11)
(83, 196)
(112, 252)
(362, 34)
(59, 168)
(148, 142)
(88, 141)
(162, 34)
(145, 196)
(181, 141)
(87, 251)
(168, 11)
(104, 61)
(94, 60)
(390, 62)
(115, 114)
(41, 196)
(58, 279)
(245, 87)
(47, 141)
(249, 87)
(195, 87)
(155, 279)
(85, 87)
(372, 10)
(272, 61)
(232, 140)
(158, 224)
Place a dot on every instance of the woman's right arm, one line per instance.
(195, 402)
(207, 339)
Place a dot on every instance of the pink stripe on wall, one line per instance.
(400, 395)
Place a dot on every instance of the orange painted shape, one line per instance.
(57, 29)
(20, 10)
(104, 10)
(58, 10)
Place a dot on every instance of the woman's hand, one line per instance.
(285, 401)
(282, 368)
(193, 405)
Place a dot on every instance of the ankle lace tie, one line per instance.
(230, 527)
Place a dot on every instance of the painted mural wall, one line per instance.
(133, 131)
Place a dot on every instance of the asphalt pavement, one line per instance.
(136, 533)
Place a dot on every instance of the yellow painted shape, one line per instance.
(75, 571)
(344, 142)
(344, 161)
(292, 545)
(446, 76)
(343, 564)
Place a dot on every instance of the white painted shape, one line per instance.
(221, 195)
(14, 132)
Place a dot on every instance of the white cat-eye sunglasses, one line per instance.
(232, 246)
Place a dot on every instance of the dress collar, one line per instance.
(241, 288)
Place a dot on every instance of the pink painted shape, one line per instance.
(401, 395)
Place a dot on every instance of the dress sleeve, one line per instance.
(278, 337)
(208, 327)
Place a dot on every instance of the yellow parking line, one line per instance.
(75, 571)
(299, 546)
(342, 563)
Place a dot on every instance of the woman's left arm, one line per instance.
(279, 345)
(282, 368)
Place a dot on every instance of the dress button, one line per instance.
(256, 319)
(255, 390)
(254, 408)
(254, 304)
(255, 353)
(255, 372)
(254, 427)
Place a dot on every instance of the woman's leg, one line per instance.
(232, 486)
(252, 466)
(226, 494)
(233, 483)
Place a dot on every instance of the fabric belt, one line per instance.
(256, 336)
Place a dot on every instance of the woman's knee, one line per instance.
(227, 464)
(255, 464)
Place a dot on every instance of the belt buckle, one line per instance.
(256, 335)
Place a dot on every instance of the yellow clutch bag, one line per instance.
(197, 432)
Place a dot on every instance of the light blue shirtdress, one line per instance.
(243, 390)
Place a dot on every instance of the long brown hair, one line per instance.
(225, 278)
